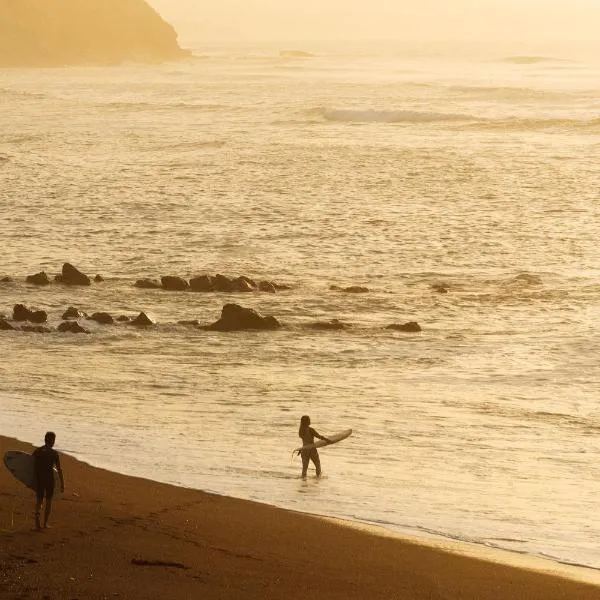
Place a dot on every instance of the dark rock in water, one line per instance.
(38, 279)
(334, 324)
(123, 319)
(5, 326)
(73, 276)
(353, 289)
(440, 288)
(202, 283)
(102, 317)
(242, 284)
(249, 281)
(409, 327)
(35, 329)
(148, 284)
(38, 316)
(267, 286)
(71, 327)
(55, 33)
(98, 279)
(6, 279)
(142, 320)
(22, 313)
(73, 313)
(192, 323)
(174, 284)
(222, 283)
(237, 318)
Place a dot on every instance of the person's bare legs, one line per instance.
(305, 460)
(47, 511)
(38, 508)
(314, 455)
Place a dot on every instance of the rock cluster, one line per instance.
(237, 318)
(210, 283)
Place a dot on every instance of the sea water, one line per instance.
(394, 167)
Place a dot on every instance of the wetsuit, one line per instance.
(44, 460)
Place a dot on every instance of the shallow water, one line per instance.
(387, 168)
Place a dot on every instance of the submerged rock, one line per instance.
(267, 286)
(73, 313)
(38, 279)
(409, 327)
(440, 288)
(334, 324)
(237, 318)
(353, 289)
(5, 325)
(98, 279)
(148, 284)
(71, 327)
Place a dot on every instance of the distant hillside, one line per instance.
(39, 33)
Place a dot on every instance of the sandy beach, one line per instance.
(115, 536)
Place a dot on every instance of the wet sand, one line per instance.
(115, 536)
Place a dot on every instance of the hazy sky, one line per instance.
(389, 19)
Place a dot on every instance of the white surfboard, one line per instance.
(21, 466)
(333, 439)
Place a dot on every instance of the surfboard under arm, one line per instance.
(333, 439)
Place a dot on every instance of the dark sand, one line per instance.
(226, 548)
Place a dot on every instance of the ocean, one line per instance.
(401, 168)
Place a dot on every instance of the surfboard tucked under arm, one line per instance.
(333, 439)
(21, 466)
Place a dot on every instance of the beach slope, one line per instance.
(121, 537)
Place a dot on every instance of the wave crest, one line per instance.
(388, 116)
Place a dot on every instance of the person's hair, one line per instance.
(50, 437)
(304, 423)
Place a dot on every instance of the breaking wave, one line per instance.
(388, 116)
(460, 121)
(531, 60)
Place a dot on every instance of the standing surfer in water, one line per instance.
(308, 435)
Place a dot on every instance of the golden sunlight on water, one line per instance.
(459, 188)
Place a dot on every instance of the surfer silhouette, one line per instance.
(45, 458)
(308, 435)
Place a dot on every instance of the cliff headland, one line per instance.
(50, 33)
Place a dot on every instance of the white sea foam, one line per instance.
(390, 116)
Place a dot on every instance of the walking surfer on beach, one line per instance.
(45, 458)
(308, 435)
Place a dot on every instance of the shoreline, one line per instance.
(121, 536)
(577, 572)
